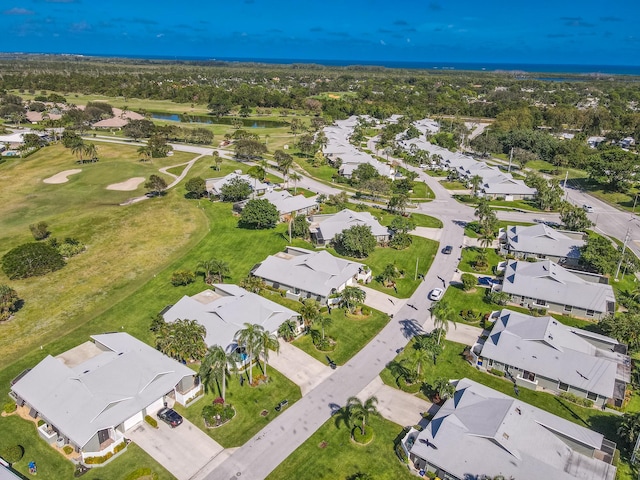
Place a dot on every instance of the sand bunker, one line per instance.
(127, 185)
(62, 176)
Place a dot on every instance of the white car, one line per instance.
(436, 294)
(587, 208)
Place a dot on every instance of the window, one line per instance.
(522, 298)
(590, 313)
(568, 308)
(529, 376)
(563, 386)
(540, 303)
(592, 396)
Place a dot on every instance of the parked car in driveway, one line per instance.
(488, 281)
(170, 417)
(447, 250)
(436, 294)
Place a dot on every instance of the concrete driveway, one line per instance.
(183, 450)
(299, 367)
(381, 301)
(395, 405)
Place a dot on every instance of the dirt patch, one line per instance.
(127, 185)
(264, 413)
(62, 176)
(323, 444)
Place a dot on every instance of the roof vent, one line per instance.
(550, 337)
(505, 435)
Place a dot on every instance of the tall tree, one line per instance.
(156, 185)
(361, 412)
(249, 338)
(442, 314)
(296, 178)
(9, 302)
(265, 343)
(309, 311)
(214, 369)
(357, 241)
(324, 321)
(352, 296)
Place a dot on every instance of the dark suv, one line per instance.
(170, 417)
(447, 250)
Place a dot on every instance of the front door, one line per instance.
(103, 436)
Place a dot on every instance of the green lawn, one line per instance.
(351, 334)
(421, 190)
(338, 457)
(452, 365)
(51, 464)
(469, 256)
(436, 173)
(454, 185)
(249, 402)
(323, 172)
(422, 249)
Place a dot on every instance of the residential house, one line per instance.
(541, 242)
(627, 142)
(324, 228)
(547, 285)
(225, 309)
(214, 185)
(288, 204)
(91, 395)
(540, 353)
(594, 141)
(303, 273)
(481, 433)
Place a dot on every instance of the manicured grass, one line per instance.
(436, 173)
(323, 172)
(454, 185)
(452, 365)
(350, 333)
(125, 245)
(300, 191)
(421, 190)
(51, 464)
(421, 250)
(341, 457)
(248, 402)
(469, 256)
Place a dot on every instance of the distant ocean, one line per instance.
(489, 67)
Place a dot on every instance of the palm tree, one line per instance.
(296, 178)
(257, 172)
(389, 274)
(442, 314)
(415, 362)
(182, 339)
(78, 150)
(217, 159)
(91, 151)
(361, 411)
(145, 152)
(214, 368)
(220, 269)
(352, 296)
(629, 428)
(248, 337)
(443, 388)
(309, 311)
(324, 321)
(252, 284)
(487, 236)
(288, 330)
(428, 344)
(475, 182)
(267, 341)
(207, 266)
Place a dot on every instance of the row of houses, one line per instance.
(339, 147)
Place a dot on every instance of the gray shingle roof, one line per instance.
(228, 310)
(482, 431)
(315, 272)
(331, 225)
(543, 240)
(103, 391)
(214, 185)
(553, 350)
(548, 281)
(287, 203)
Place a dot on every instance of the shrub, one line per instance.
(70, 247)
(182, 277)
(400, 241)
(400, 453)
(31, 259)
(151, 421)
(10, 407)
(498, 298)
(365, 310)
(118, 448)
(41, 422)
(496, 372)
(98, 460)
(570, 397)
(210, 413)
(12, 453)
(39, 230)
(358, 437)
(67, 449)
(413, 387)
(468, 281)
(9, 302)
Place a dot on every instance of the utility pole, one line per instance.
(566, 191)
(634, 204)
(624, 246)
(416, 275)
(510, 159)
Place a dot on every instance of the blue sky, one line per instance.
(490, 31)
